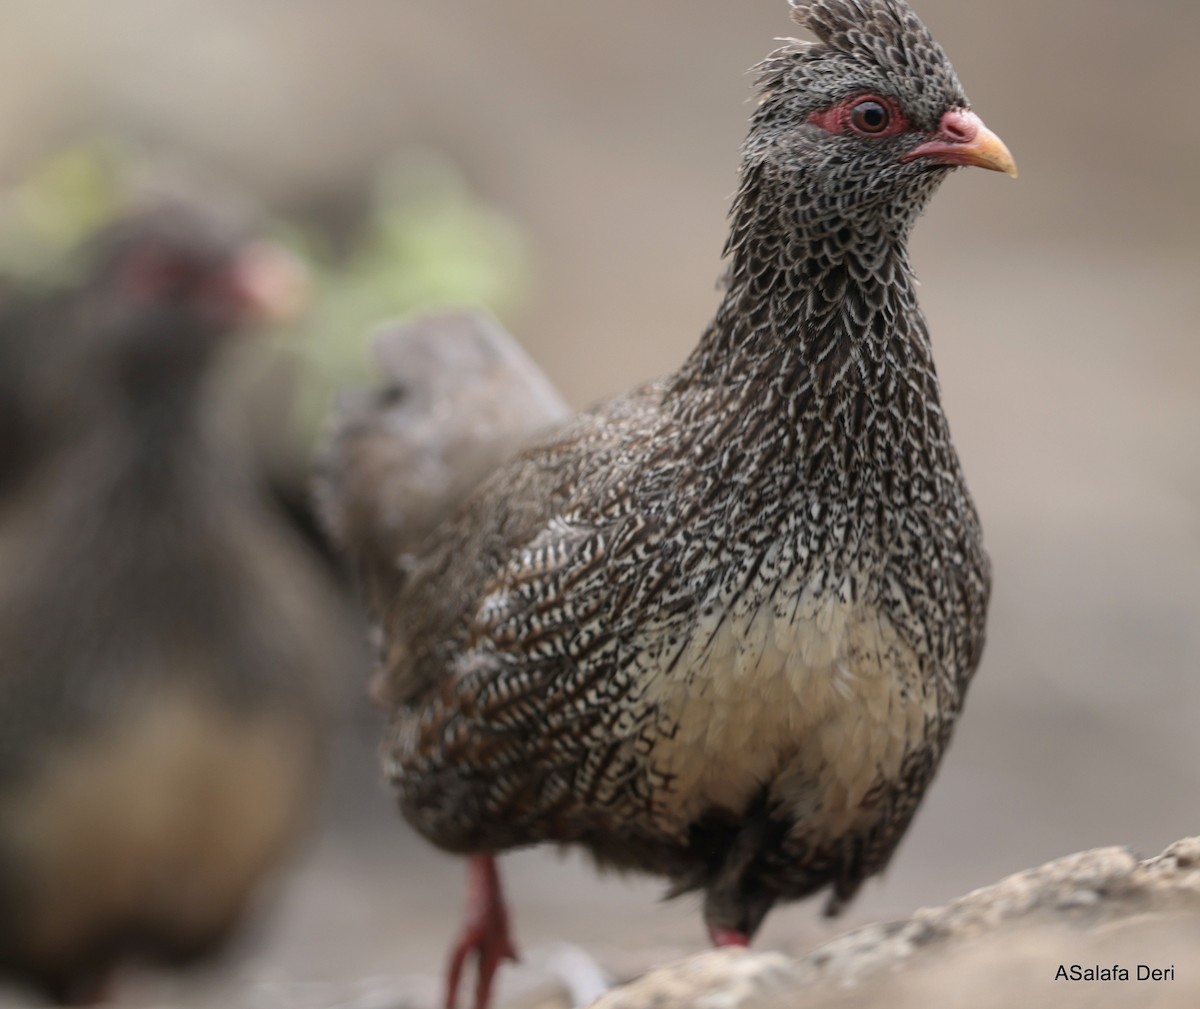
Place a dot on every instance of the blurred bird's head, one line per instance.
(861, 125)
(166, 286)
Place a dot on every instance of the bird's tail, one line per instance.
(459, 397)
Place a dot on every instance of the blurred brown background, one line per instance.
(1063, 308)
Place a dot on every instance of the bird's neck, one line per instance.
(817, 305)
(154, 443)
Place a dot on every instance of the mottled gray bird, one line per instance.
(720, 628)
(166, 649)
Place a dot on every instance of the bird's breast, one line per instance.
(165, 819)
(803, 691)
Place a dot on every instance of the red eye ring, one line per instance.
(870, 117)
(864, 115)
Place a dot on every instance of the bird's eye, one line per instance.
(870, 117)
(154, 273)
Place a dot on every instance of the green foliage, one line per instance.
(59, 204)
(427, 242)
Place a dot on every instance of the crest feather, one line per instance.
(846, 24)
(886, 34)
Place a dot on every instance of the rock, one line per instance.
(1102, 915)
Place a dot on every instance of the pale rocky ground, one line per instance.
(1064, 310)
(1002, 945)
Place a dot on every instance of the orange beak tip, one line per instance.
(965, 140)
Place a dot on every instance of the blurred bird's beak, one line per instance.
(963, 140)
(272, 283)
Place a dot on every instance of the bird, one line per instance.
(168, 650)
(18, 417)
(718, 628)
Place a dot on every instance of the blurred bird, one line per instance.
(18, 416)
(719, 628)
(165, 645)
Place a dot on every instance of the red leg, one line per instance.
(485, 932)
(728, 937)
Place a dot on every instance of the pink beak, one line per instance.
(962, 139)
(270, 283)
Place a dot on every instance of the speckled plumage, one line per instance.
(720, 628)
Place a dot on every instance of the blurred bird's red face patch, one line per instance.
(260, 282)
(157, 274)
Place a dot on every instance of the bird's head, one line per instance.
(174, 261)
(863, 123)
(168, 284)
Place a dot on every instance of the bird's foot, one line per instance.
(728, 937)
(485, 932)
